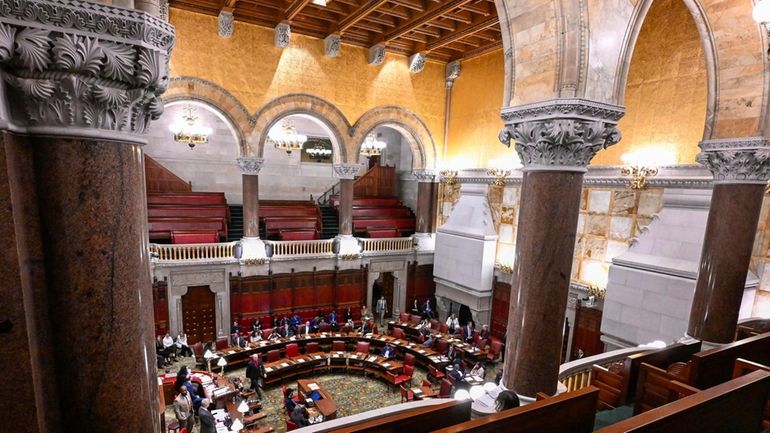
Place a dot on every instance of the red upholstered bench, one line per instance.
(382, 232)
(273, 225)
(161, 227)
(402, 224)
(194, 237)
(180, 211)
(186, 198)
(400, 211)
(298, 234)
(369, 201)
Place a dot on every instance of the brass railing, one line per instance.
(577, 374)
(302, 248)
(378, 245)
(191, 252)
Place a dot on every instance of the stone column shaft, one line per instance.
(741, 168)
(555, 141)
(345, 208)
(427, 200)
(250, 167)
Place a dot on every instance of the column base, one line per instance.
(253, 249)
(348, 245)
(425, 241)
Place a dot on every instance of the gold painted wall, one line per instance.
(250, 67)
(666, 89)
(475, 118)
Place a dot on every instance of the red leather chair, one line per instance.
(398, 380)
(362, 347)
(442, 346)
(435, 373)
(398, 333)
(426, 382)
(325, 328)
(446, 389)
(409, 359)
(434, 325)
(403, 317)
(415, 319)
(494, 350)
(292, 350)
(338, 346)
(266, 333)
(406, 394)
(443, 328)
(221, 344)
(312, 347)
(273, 355)
(481, 343)
(290, 425)
(375, 329)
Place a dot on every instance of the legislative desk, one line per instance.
(468, 351)
(325, 405)
(285, 367)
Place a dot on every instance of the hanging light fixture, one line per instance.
(372, 146)
(285, 137)
(188, 130)
(319, 152)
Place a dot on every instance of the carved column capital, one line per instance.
(452, 72)
(82, 69)
(250, 165)
(377, 54)
(737, 160)
(416, 63)
(425, 175)
(562, 134)
(346, 171)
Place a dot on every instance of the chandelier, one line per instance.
(319, 152)
(372, 146)
(188, 130)
(286, 137)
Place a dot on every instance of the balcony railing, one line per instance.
(193, 252)
(577, 374)
(380, 245)
(302, 248)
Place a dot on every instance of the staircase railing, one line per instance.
(323, 200)
(378, 245)
(192, 252)
(577, 374)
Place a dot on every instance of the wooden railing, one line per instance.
(192, 252)
(302, 248)
(577, 374)
(379, 245)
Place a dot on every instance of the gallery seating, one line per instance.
(183, 213)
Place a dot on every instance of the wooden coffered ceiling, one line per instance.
(444, 30)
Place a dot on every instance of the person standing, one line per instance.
(382, 308)
(254, 370)
(452, 323)
(208, 423)
(183, 409)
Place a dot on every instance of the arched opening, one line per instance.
(397, 158)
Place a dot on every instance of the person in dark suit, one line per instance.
(288, 401)
(300, 415)
(236, 328)
(254, 370)
(388, 351)
(333, 320)
(239, 341)
(348, 315)
(305, 329)
(256, 326)
(415, 307)
(468, 330)
(208, 423)
(426, 310)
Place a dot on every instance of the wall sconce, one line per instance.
(761, 15)
(448, 177)
(499, 174)
(639, 175)
(506, 269)
(596, 291)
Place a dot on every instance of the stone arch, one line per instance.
(330, 117)
(404, 121)
(214, 96)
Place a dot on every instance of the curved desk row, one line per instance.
(468, 350)
(321, 361)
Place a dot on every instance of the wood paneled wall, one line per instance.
(501, 296)
(420, 284)
(257, 296)
(379, 181)
(160, 306)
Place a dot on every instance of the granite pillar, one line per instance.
(250, 167)
(74, 167)
(741, 168)
(555, 141)
(347, 245)
(345, 208)
(427, 198)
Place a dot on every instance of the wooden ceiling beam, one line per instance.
(359, 14)
(463, 32)
(294, 9)
(410, 4)
(423, 18)
(498, 45)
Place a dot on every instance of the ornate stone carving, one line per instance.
(452, 72)
(282, 35)
(425, 175)
(225, 24)
(562, 134)
(740, 160)
(346, 171)
(377, 54)
(416, 63)
(250, 164)
(77, 68)
(332, 46)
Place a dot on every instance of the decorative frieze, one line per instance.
(282, 35)
(76, 68)
(332, 45)
(250, 165)
(425, 175)
(346, 171)
(225, 24)
(416, 63)
(377, 54)
(738, 160)
(562, 134)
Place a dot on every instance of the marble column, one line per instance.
(253, 248)
(555, 141)
(346, 173)
(427, 201)
(77, 118)
(741, 168)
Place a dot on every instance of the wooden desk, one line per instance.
(424, 392)
(325, 405)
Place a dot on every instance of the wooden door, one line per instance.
(388, 281)
(588, 322)
(198, 316)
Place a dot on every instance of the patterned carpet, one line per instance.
(353, 393)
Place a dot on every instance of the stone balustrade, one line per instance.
(193, 252)
(380, 245)
(289, 249)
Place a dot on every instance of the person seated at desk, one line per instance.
(288, 400)
(275, 335)
(239, 341)
(388, 351)
(365, 313)
(208, 423)
(285, 330)
(424, 323)
(322, 323)
(236, 328)
(294, 322)
(305, 329)
(430, 341)
(426, 310)
(506, 400)
(484, 333)
(366, 327)
(457, 373)
(300, 415)
(415, 307)
(162, 353)
(168, 345)
(452, 323)
(478, 370)
(181, 345)
(350, 324)
(333, 320)
(256, 326)
(255, 336)
(348, 315)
